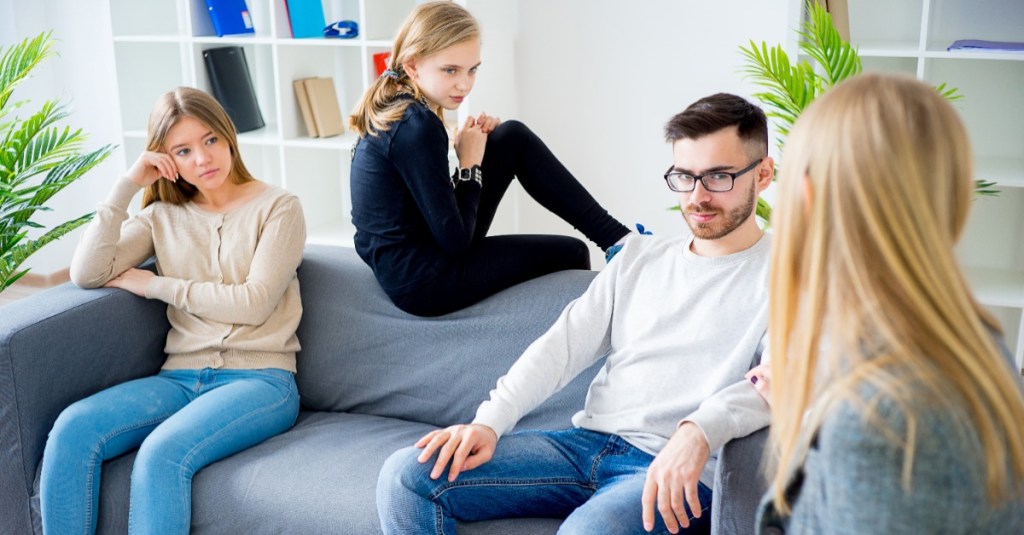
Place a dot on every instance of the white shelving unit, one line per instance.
(158, 45)
(911, 37)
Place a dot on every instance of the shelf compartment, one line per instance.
(997, 287)
(202, 26)
(383, 18)
(899, 30)
(992, 20)
(991, 105)
(902, 65)
(263, 162)
(135, 71)
(297, 61)
(320, 179)
(153, 18)
(260, 60)
(1005, 172)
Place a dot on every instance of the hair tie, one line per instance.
(391, 73)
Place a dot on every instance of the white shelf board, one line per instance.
(882, 48)
(319, 41)
(940, 52)
(335, 232)
(342, 142)
(1006, 172)
(241, 40)
(147, 39)
(997, 287)
(263, 136)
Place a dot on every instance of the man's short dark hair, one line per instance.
(721, 110)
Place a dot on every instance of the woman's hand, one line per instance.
(467, 446)
(470, 143)
(134, 280)
(152, 166)
(761, 377)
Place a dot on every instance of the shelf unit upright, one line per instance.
(158, 45)
(912, 37)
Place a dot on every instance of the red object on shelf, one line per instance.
(380, 61)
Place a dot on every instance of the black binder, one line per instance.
(232, 86)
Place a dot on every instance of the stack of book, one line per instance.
(319, 106)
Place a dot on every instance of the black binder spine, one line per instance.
(232, 86)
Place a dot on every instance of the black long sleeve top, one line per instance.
(411, 223)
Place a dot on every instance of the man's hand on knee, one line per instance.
(466, 446)
(673, 477)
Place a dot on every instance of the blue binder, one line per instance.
(230, 17)
(306, 18)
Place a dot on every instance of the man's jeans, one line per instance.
(594, 479)
(183, 420)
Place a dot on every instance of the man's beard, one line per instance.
(719, 228)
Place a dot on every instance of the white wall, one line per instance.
(82, 74)
(598, 80)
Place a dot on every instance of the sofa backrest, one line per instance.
(362, 354)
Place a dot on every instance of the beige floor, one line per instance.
(17, 291)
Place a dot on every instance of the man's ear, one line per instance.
(765, 173)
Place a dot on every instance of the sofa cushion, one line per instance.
(362, 354)
(319, 477)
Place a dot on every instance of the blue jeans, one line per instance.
(593, 479)
(181, 421)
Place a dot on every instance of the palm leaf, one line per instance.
(38, 159)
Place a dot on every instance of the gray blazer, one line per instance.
(851, 480)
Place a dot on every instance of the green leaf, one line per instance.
(38, 159)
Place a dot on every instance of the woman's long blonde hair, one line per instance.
(873, 195)
(168, 110)
(429, 29)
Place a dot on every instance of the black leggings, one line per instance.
(497, 262)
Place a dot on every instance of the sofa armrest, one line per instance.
(739, 485)
(56, 347)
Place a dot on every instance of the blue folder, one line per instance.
(306, 18)
(229, 17)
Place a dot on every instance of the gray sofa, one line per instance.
(372, 380)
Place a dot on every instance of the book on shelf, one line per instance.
(319, 106)
(231, 85)
(840, 12)
(979, 45)
(305, 18)
(229, 17)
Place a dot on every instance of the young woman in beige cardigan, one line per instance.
(227, 247)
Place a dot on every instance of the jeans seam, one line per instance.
(440, 491)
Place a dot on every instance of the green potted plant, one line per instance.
(38, 158)
(791, 87)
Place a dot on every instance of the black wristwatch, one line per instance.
(474, 173)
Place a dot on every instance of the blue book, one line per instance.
(306, 18)
(229, 17)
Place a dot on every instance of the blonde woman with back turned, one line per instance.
(227, 247)
(895, 406)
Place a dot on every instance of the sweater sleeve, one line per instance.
(735, 411)
(419, 151)
(579, 337)
(277, 256)
(113, 242)
(854, 477)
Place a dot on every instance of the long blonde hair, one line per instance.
(168, 110)
(429, 29)
(873, 195)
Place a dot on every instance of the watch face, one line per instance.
(464, 174)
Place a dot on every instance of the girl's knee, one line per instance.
(510, 130)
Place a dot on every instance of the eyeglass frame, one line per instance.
(700, 178)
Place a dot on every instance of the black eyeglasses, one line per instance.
(716, 181)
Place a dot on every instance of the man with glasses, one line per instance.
(681, 321)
